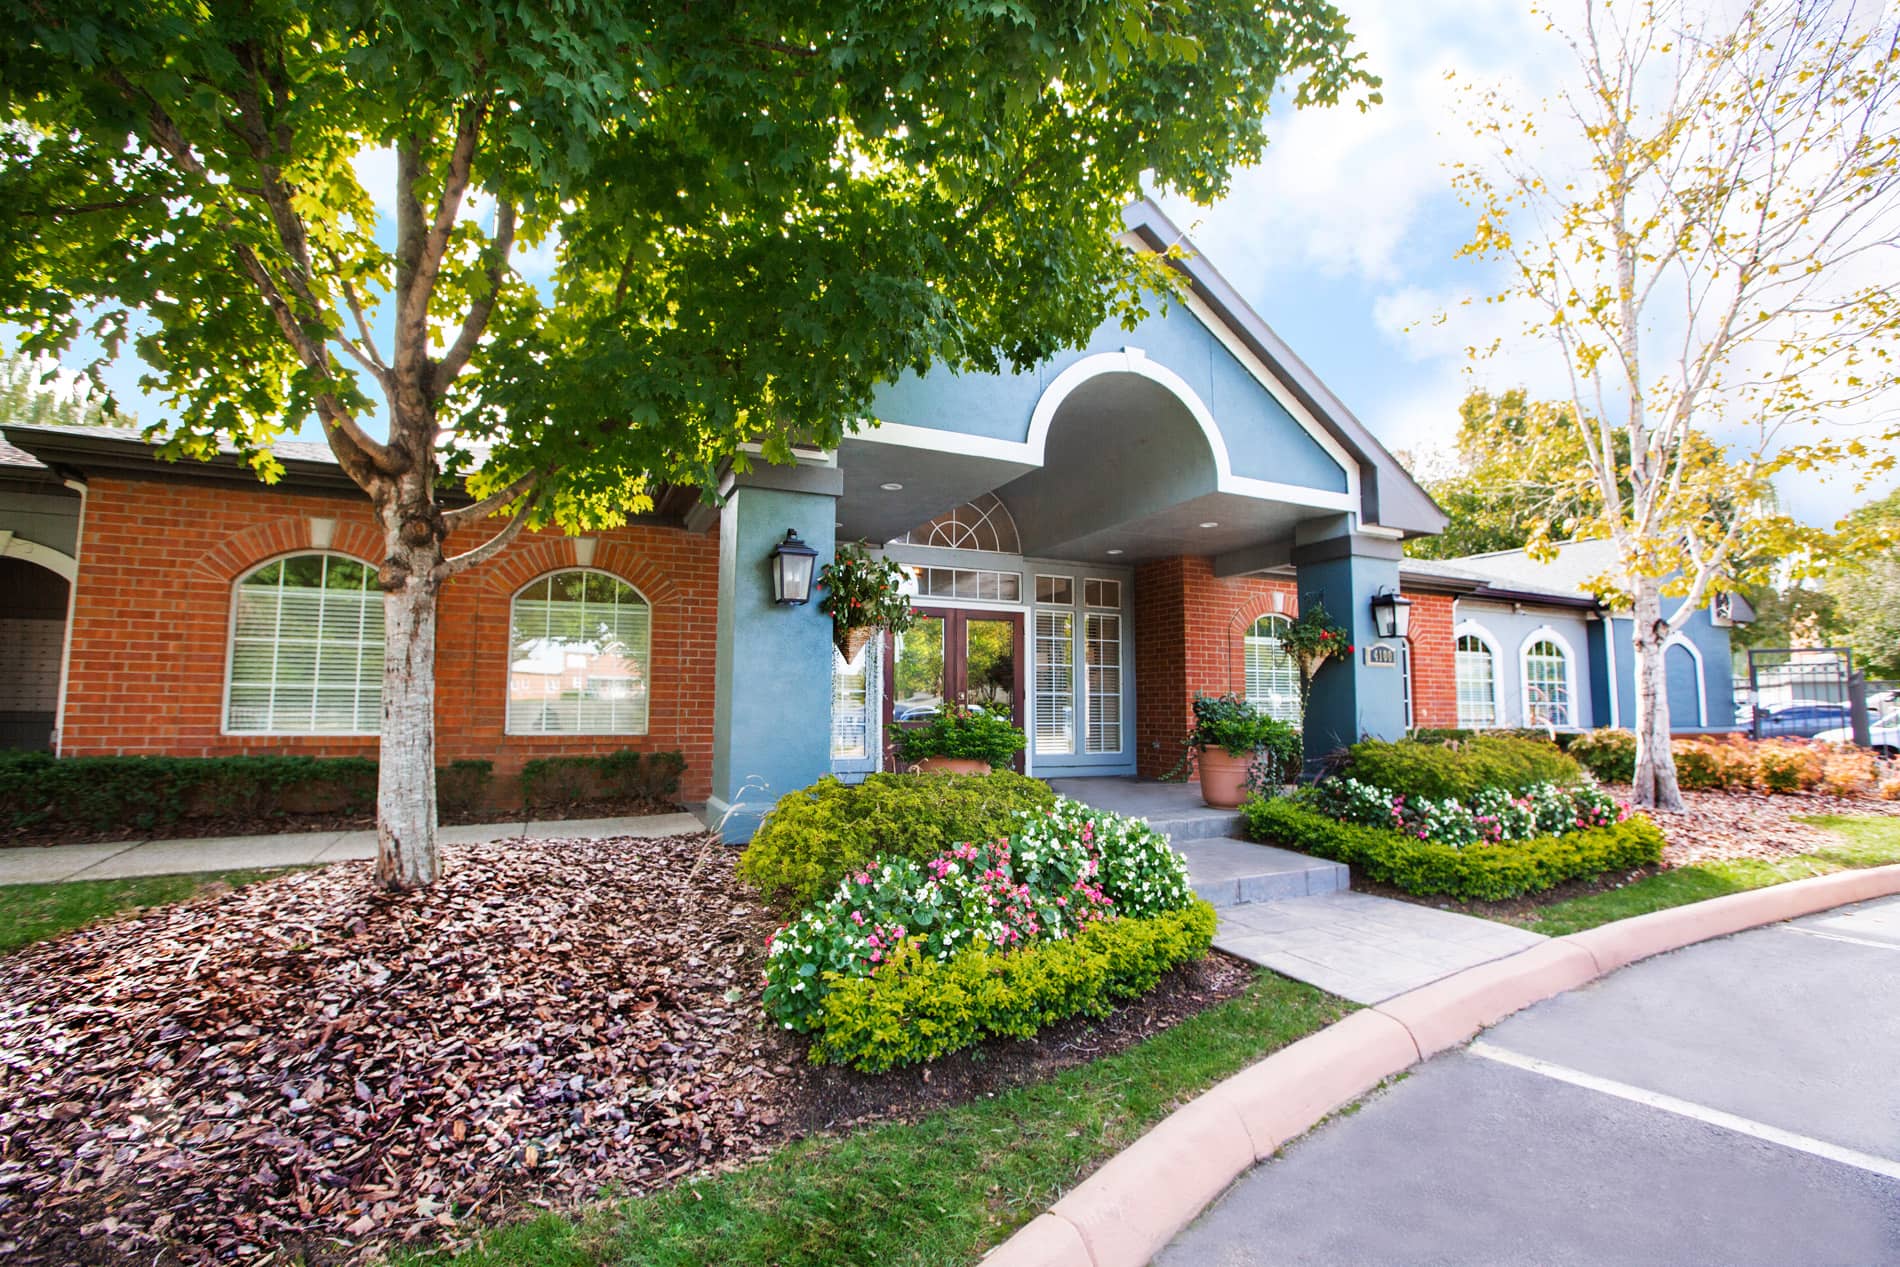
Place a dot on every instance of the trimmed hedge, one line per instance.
(1470, 873)
(813, 837)
(915, 1008)
(1461, 770)
(38, 789)
(624, 775)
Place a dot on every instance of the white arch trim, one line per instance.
(1541, 634)
(1472, 629)
(13, 546)
(1033, 449)
(1701, 682)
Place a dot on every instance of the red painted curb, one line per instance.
(1127, 1211)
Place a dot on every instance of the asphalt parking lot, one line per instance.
(1736, 1102)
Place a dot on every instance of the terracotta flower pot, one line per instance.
(1223, 777)
(956, 765)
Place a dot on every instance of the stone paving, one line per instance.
(121, 859)
(1292, 912)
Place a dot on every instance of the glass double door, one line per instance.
(951, 656)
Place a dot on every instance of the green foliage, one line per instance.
(461, 786)
(1609, 754)
(1471, 873)
(139, 794)
(762, 211)
(917, 1008)
(958, 731)
(1459, 771)
(1236, 727)
(863, 593)
(815, 836)
(1864, 588)
(627, 774)
(31, 392)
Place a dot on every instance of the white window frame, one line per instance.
(230, 650)
(1472, 629)
(1544, 633)
(1285, 622)
(507, 721)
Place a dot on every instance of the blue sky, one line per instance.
(1345, 237)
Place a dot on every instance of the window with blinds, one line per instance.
(1103, 632)
(1273, 680)
(850, 704)
(306, 649)
(578, 657)
(1546, 684)
(1055, 682)
(1476, 670)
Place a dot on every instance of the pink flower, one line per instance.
(857, 917)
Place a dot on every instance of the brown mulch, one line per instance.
(307, 1069)
(1721, 825)
(270, 824)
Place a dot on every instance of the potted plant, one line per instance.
(1311, 641)
(1230, 740)
(862, 596)
(959, 740)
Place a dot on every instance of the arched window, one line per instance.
(1477, 673)
(306, 649)
(1273, 680)
(578, 657)
(983, 524)
(1547, 687)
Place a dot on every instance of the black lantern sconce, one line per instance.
(792, 565)
(1391, 614)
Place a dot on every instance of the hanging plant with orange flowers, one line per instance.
(1311, 641)
(863, 594)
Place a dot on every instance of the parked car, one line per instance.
(1801, 719)
(1883, 734)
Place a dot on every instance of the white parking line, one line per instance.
(1686, 1108)
(1832, 936)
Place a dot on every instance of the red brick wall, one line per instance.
(1190, 636)
(1434, 669)
(152, 612)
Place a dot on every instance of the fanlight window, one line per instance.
(307, 649)
(983, 524)
(1273, 680)
(1546, 685)
(1477, 683)
(578, 657)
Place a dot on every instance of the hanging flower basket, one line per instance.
(863, 596)
(1311, 641)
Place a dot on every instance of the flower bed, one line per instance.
(1472, 872)
(1059, 875)
(1493, 815)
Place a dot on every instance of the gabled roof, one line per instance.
(1469, 576)
(1390, 497)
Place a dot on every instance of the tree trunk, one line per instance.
(405, 793)
(1655, 786)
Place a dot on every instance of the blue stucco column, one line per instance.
(772, 689)
(1353, 699)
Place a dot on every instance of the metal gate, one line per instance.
(1799, 691)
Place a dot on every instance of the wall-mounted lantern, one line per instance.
(792, 565)
(1391, 614)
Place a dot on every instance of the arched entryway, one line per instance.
(33, 629)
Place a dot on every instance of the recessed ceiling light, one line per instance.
(1117, 552)
(1211, 523)
(892, 487)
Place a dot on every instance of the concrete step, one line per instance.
(1229, 872)
(1182, 826)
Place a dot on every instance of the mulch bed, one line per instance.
(308, 1068)
(1721, 825)
(270, 824)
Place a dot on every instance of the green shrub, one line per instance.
(961, 733)
(1471, 873)
(626, 774)
(917, 1008)
(461, 786)
(1460, 770)
(815, 835)
(1608, 753)
(1456, 734)
(138, 794)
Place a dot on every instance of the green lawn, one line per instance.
(940, 1190)
(1866, 842)
(34, 912)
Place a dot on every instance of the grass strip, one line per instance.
(940, 1190)
(1866, 842)
(35, 912)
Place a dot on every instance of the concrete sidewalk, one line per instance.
(119, 859)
